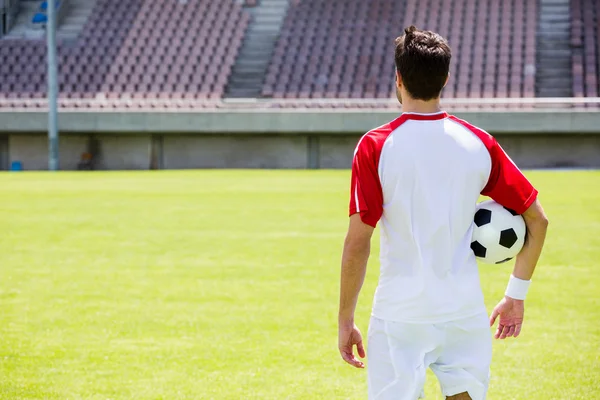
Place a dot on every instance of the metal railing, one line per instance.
(129, 104)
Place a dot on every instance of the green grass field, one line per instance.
(224, 285)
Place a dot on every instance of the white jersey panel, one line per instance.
(432, 173)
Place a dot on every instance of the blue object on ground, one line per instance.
(44, 5)
(39, 18)
(16, 166)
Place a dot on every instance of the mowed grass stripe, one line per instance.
(224, 285)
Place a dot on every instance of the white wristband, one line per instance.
(517, 288)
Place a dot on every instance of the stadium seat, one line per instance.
(326, 49)
(122, 41)
(325, 46)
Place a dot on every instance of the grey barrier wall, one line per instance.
(284, 121)
(4, 157)
(272, 139)
(185, 151)
(226, 151)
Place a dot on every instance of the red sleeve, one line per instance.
(366, 196)
(507, 185)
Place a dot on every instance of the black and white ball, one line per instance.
(498, 233)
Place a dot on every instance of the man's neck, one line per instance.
(421, 107)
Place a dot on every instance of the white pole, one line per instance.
(52, 88)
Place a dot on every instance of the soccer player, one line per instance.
(420, 177)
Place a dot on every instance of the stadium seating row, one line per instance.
(326, 49)
(135, 48)
(342, 49)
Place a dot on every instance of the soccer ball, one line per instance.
(498, 233)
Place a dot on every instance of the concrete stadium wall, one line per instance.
(32, 151)
(184, 151)
(332, 121)
(212, 151)
(527, 150)
(263, 138)
(117, 152)
(4, 156)
(124, 152)
(553, 151)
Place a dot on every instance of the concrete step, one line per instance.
(254, 57)
(268, 19)
(554, 37)
(554, 25)
(557, 53)
(554, 53)
(254, 62)
(555, 74)
(247, 82)
(553, 62)
(550, 87)
(555, 93)
(243, 68)
(261, 36)
(555, 84)
(245, 74)
(246, 77)
(256, 45)
(257, 54)
(249, 85)
(544, 43)
(244, 95)
(266, 29)
(554, 8)
(266, 41)
(556, 80)
(269, 11)
(244, 92)
(554, 13)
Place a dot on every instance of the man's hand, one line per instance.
(348, 336)
(511, 314)
(357, 247)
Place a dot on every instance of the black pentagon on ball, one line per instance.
(505, 260)
(508, 238)
(482, 217)
(513, 212)
(478, 249)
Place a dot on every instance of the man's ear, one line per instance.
(398, 80)
(447, 79)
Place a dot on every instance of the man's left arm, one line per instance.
(357, 247)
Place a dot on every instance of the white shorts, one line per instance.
(399, 353)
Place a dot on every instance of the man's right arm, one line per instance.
(537, 224)
(511, 309)
(508, 186)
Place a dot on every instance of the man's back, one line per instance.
(430, 170)
(419, 177)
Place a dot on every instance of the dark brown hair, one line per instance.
(423, 61)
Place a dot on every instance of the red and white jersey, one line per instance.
(421, 176)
